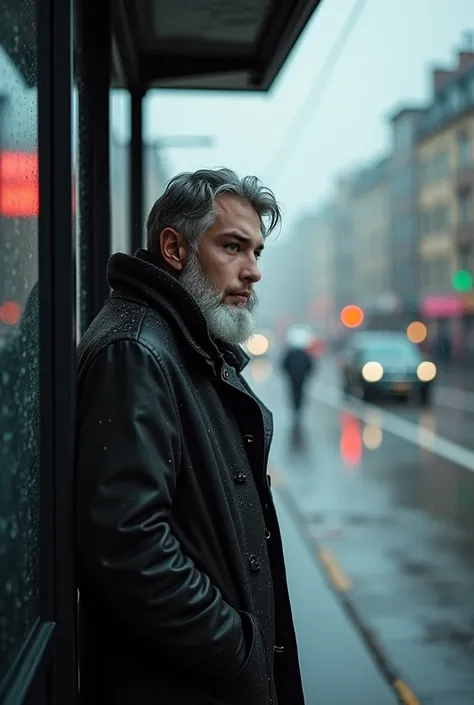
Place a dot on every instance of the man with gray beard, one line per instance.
(183, 594)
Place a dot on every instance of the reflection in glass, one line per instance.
(19, 334)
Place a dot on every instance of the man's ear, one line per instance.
(173, 249)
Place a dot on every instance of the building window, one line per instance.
(465, 259)
(436, 220)
(425, 222)
(464, 150)
(465, 207)
(435, 274)
(456, 98)
(436, 168)
(403, 133)
(441, 166)
(440, 220)
(436, 113)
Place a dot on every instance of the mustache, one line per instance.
(252, 300)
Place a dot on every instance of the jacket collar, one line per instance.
(137, 276)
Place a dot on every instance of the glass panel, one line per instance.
(19, 330)
(120, 171)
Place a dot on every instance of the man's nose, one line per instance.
(251, 272)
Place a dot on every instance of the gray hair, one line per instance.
(188, 204)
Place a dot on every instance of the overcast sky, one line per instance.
(384, 63)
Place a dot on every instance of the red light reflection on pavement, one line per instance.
(351, 440)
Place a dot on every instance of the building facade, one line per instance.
(445, 150)
(321, 304)
(404, 229)
(343, 248)
(371, 232)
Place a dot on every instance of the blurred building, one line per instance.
(287, 277)
(371, 228)
(343, 246)
(301, 267)
(404, 230)
(446, 207)
(321, 253)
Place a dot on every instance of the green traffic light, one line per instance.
(462, 280)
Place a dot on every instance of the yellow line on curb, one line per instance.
(405, 693)
(336, 574)
(343, 583)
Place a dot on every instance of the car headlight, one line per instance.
(372, 371)
(426, 371)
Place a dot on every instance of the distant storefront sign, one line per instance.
(446, 306)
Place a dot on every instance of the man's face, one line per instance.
(229, 250)
(222, 273)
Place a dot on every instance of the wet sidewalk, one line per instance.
(456, 376)
(337, 667)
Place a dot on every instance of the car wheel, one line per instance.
(367, 394)
(425, 396)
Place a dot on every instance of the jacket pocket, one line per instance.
(251, 684)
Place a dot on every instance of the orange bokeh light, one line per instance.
(417, 332)
(352, 316)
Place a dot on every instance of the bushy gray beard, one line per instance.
(230, 324)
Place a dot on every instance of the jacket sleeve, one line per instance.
(127, 458)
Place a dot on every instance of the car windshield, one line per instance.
(393, 352)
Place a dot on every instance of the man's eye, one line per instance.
(258, 254)
(230, 245)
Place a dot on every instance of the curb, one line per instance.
(341, 585)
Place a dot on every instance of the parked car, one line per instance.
(386, 364)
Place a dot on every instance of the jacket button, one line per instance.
(267, 534)
(248, 438)
(226, 374)
(279, 649)
(240, 478)
(254, 564)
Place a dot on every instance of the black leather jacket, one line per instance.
(181, 574)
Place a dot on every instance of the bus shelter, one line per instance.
(55, 224)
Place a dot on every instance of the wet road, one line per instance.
(386, 497)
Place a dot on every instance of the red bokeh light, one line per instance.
(10, 313)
